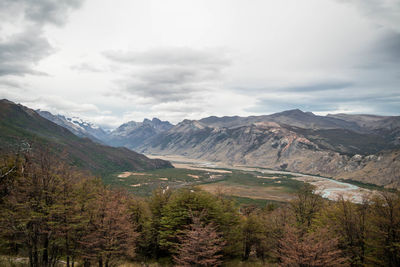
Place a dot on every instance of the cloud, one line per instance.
(171, 56)
(170, 74)
(20, 52)
(312, 87)
(10, 84)
(318, 87)
(354, 99)
(171, 84)
(57, 104)
(385, 13)
(386, 50)
(86, 67)
(41, 11)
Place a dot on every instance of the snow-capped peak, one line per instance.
(81, 123)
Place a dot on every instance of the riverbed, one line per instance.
(326, 187)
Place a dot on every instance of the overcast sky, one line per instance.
(111, 61)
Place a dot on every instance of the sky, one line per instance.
(113, 61)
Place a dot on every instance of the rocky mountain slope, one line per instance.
(76, 126)
(133, 134)
(292, 140)
(130, 135)
(20, 126)
(358, 147)
(388, 126)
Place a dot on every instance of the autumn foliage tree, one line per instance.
(110, 236)
(316, 248)
(200, 245)
(50, 212)
(52, 208)
(27, 213)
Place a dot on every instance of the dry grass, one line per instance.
(191, 167)
(269, 193)
(267, 177)
(127, 174)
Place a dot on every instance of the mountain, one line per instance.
(20, 125)
(358, 147)
(76, 126)
(388, 126)
(295, 117)
(133, 134)
(130, 135)
(291, 140)
(371, 122)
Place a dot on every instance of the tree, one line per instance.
(176, 216)
(26, 213)
(157, 203)
(306, 206)
(110, 236)
(70, 214)
(200, 245)
(315, 248)
(386, 227)
(140, 216)
(350, 222)
(253, 232)
(10, 168)
(54, 211)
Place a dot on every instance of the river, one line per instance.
(326, 187)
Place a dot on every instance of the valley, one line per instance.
(363, 149)
(243, 182)
(199, 133)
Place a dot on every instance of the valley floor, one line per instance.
(328, 188)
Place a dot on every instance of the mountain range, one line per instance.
(364, 148)
(77, 126)
(24, 127)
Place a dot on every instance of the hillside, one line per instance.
(357, 147)
(289, 140)
(20, 125)
(76, 126)
(132, 134)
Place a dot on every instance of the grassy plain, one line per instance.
(245, 186)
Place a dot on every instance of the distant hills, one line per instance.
(20, 125)
(134, 134)
(358, 147)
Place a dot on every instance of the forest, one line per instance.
(54, 215)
